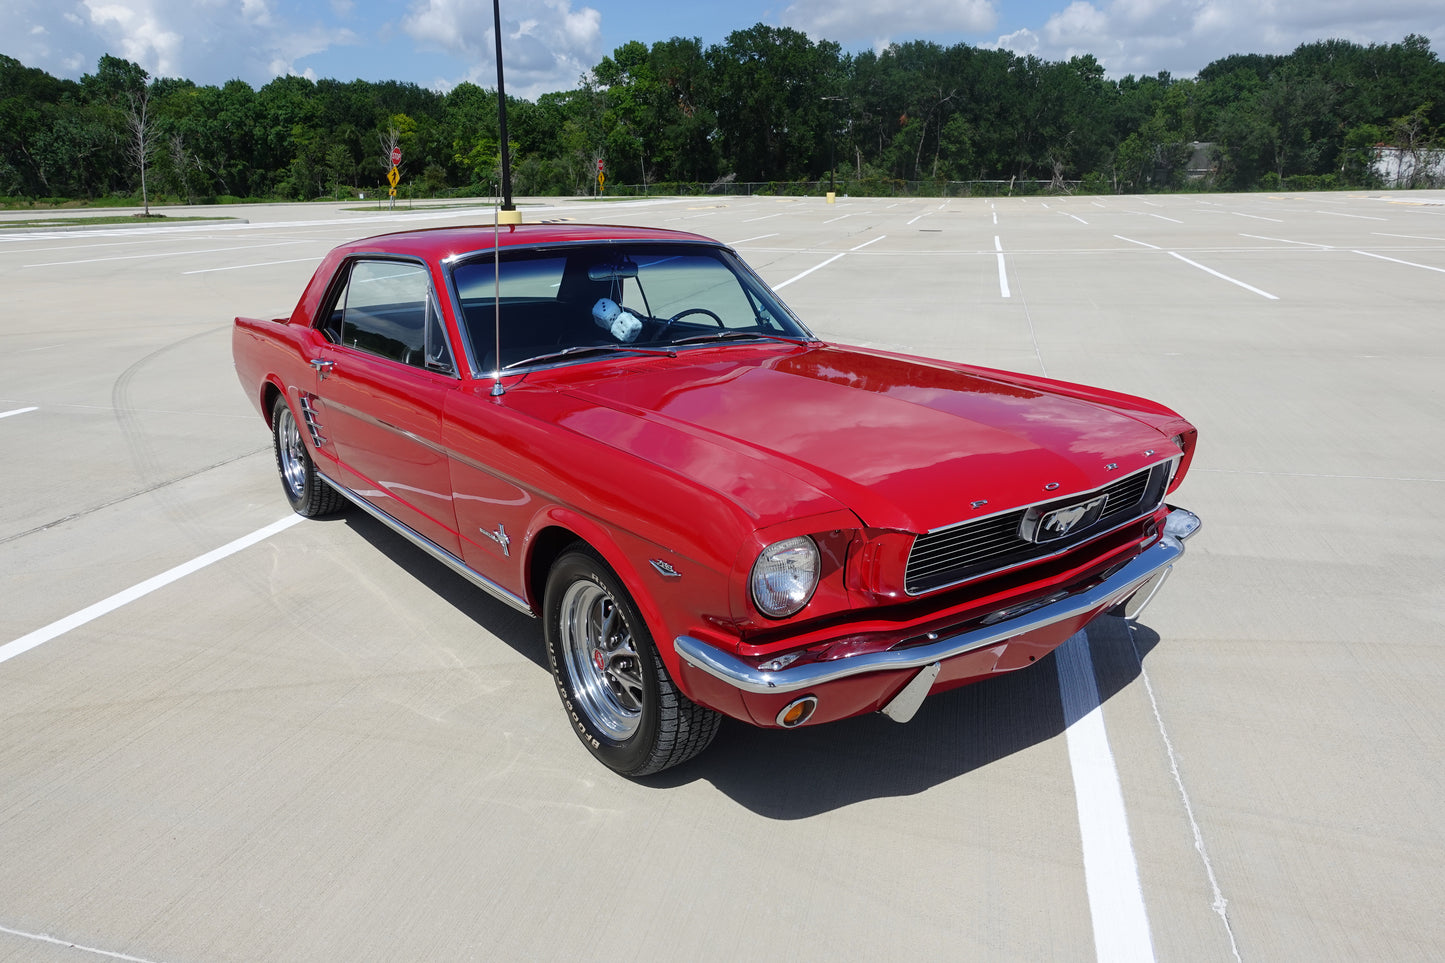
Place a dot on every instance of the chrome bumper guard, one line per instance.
(1134, 583)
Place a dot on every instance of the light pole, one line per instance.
(832, 151)
(508, 213)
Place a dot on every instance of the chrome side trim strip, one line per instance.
(1106, 594)
(433, 549)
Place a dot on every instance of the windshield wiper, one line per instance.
(585, 349)
(732, 336)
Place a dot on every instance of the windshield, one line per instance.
(611, 297)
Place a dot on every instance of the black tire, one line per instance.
(307, 492)
(622, 703)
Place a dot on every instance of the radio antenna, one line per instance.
(497, 388)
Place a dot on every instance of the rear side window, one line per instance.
(386, 309)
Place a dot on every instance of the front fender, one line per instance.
(674, 593)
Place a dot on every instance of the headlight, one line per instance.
(1178, 442)
(784, 576)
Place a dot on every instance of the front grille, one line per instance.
(969, 550)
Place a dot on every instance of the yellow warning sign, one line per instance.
(392, 176)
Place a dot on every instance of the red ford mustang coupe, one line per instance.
(626, 433)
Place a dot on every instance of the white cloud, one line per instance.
(139, 31)
(208, 41)
(1183, 36)
(551, 44)
(550, 50)
(1022, 42)
(256, 12)
(1079, 24)
(851, 21)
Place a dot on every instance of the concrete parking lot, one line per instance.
(228, 736)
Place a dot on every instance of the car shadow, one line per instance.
(800, 773)
(794, 775)
(517, 629)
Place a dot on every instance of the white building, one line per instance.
(1403, 167)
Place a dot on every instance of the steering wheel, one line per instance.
(685, 312)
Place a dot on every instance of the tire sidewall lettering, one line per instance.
(582, 566)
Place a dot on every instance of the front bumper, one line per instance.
(1129, 588)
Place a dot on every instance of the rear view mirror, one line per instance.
(612, 272)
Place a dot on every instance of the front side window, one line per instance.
(386, 308)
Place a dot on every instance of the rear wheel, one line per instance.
(623, 705)
(308, 494)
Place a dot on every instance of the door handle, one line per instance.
(323, 366)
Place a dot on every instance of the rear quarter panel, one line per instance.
(267, 354)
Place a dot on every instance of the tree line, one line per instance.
(767, 105)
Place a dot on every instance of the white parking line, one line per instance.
(1111, 873)
(55, 629)
(1337, 477)
(1285, 240)
(1398, 261)
(1358, 217)
(46, 938)
(749, 240)
(1003, 290)
(241, 267)
(18, 411)
(799, 277)
(160, 254)
(1223, 277)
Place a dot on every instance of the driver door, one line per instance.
(383, 377)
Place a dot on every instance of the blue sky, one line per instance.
(550, 44)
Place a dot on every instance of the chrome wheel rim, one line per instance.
(291, 452)
(602, 660)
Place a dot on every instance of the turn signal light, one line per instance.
(797, 712)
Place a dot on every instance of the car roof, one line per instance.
(442, 242)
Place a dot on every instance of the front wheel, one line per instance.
(622, 703)
(308, 494)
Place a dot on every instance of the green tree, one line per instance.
(768, 96)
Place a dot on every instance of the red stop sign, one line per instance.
(395, 156)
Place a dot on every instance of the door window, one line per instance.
(387, 309)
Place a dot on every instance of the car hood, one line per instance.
(905, 444)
